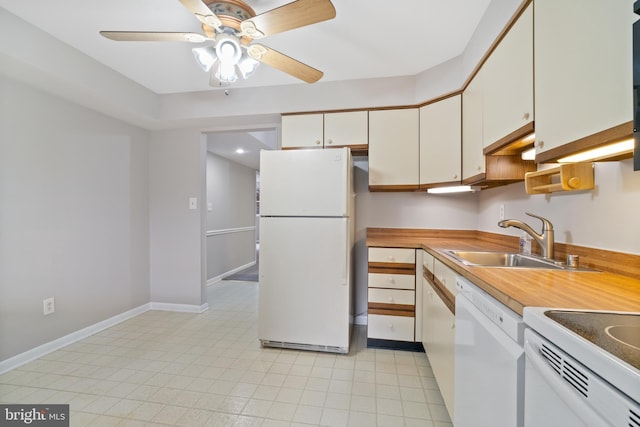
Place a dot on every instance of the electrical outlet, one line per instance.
(48, 306)
(501, 211)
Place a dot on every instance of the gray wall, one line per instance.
(74, 217)
(177, 173)
(230, 224)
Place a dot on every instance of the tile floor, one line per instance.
(167, 368)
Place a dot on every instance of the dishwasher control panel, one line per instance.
(506, 319)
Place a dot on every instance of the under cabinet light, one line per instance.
(454, 189)
(530, 154)
(601, 153)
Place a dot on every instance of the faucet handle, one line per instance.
(546, 224)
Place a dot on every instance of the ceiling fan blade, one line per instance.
(292, 15)
(202, 12)
(151, 36)
(284, 63)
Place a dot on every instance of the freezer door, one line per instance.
(305, 182)
(304, 282)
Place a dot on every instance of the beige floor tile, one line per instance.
(209, 369)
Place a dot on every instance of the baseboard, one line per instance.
(360, 319)
(29, 355)
(44, 349)
(219, 277)
(183, 308)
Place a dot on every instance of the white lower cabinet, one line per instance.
(438, 332)
(391, 295)
(396, 328)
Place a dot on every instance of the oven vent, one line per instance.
(634, 418)
(568, 370)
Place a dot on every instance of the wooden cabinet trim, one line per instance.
(614, 134)
(443, 293)
(506, 144)
(391, 268)
(392, 311)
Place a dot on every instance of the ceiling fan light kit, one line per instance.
(232, 25)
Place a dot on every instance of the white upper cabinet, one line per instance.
(394, 149)
(440, 141)
(508, 82)
(304, 130)
(346, 129)
(583, 69)
(473, 163)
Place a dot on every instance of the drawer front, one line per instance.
(445, 275)
(392, 296)
(392, 281)
(427, 261)
(395, 328)
(399, 255)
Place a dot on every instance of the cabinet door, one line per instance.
(438, 338)
(473, 163)
(508, 82)
(441, 141)
(583, 68)
(346, 129)
(305, 130)
(394, 148)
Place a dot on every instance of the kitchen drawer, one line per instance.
(427, 261)
(445, 275)
(397, 328)
(393, 281)
(392, 296)
(392, 255)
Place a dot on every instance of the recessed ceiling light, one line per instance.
(240, 151)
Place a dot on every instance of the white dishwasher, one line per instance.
(489, 361)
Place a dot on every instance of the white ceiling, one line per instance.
(367, 39)
(226, 144)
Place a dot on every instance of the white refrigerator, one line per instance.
(306, 240)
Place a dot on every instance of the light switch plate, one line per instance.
(193, 203)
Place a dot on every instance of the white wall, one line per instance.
(231, 191)
(177, 163)
(74, 221)
(604, 218)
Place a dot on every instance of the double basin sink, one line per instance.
(508, 260)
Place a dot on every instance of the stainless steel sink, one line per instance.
(503, 259)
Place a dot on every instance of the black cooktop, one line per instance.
(616, 333)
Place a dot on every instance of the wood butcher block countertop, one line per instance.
(518, 288)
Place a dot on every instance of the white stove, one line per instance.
(582, 368)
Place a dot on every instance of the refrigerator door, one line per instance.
(310, 182)
(304, 295)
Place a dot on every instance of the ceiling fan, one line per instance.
(232, 25)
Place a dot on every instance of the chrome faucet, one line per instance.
(545, 240)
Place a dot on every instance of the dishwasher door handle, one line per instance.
(568, 395)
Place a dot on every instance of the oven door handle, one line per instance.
(564, 390)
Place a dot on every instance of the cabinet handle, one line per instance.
(391, 258)
(455, 176)
(390, 325)
(317, 142)
(329, 141)
(540, 144)
(479, 168)
(390, 299)
(392, 280)
(525, 116)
